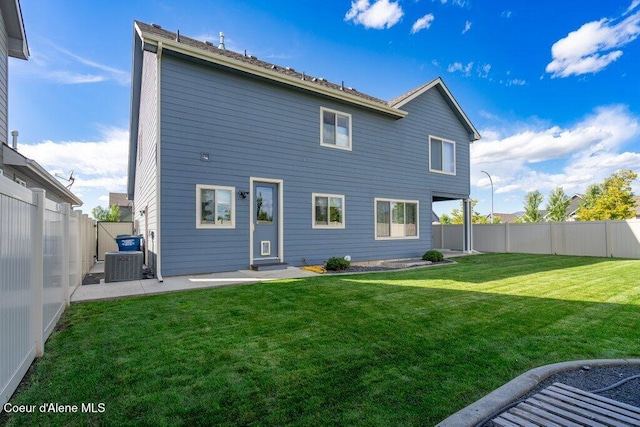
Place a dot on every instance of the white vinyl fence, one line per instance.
(45, 249)
(619, 239)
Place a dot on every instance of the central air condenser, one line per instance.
(122, 266)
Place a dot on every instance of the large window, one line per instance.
(336, 129)
(396, 219)
(328, 211)
(442, 156)
(215, 206)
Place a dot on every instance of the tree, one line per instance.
(108, 215)
(613, 199)
(557, 205)
(532, 212)
(457, 216)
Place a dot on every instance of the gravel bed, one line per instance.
(369, 269)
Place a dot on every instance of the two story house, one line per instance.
(236, 162)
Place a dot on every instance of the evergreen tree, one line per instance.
(532, 201)
(557, 205)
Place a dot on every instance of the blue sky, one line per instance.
(552, 86)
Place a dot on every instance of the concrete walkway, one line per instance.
(178, 283)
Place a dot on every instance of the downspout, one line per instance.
(158, 167)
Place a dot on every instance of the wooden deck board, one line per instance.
(562, 405)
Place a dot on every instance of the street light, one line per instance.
(491, 181)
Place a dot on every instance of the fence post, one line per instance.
(552, 232)
(37, 267)
(607, 239)
(66, 247)
(507, 243)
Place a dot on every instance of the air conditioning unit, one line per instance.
(122, 266)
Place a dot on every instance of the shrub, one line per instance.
(433, 256)
(337, 264)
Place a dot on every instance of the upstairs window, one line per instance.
(328, 211)
(442, 156)
(335, 129)
(215, 207)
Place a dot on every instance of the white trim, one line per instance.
(375, 218)
(268, 74)
(336, 112)
(158, 239)
(232, 192)
(443, 140)
(313, 211)
(280, 183)
(265, 244)
(1, 172)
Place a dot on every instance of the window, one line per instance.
(335, 129)
(328, 211)
(442, 156)
(215, 206)
(21, 182)
(396, 219)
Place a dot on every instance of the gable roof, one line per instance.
(17, 38)
(437, 83)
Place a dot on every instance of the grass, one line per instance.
(398, 348)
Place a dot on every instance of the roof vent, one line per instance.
(352, 89)
(274, 67)
(221, 45)
(178, 36)
(253, 57)
(322, 79)
(342, 86)
(14, 139)
(289, 69)
(156, 26)
(303, 76)
(208, 43)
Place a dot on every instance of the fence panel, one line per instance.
(490, 238)
(624, 238)
(452, 237)
(44, 252)
(53, 302)
(580, 238)
(17, 328)
(620, 239)
(107, 233)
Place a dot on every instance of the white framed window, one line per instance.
(328, 210)
(442, 156)
(215, 206)
(21, 182)
(396, 219)
(335, 129)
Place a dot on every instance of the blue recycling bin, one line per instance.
(128, 243)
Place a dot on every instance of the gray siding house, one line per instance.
(235, 162)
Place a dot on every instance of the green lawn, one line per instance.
(401, 348)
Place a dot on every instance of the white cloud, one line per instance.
(483, 71)
(422, 23)
(467, 27)
(379, 15)
(62, 66)
(458, 66)
(586, 152)
(516, 82)
(96, 164)
(634, 4)
(506, 14)
(593, 46)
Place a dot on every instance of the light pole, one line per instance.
(491, 181)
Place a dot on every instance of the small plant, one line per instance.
(337, 264)
(433, 256)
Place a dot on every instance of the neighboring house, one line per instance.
(13, 165)
(236, 162)
(125, 205)
(505, 218)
